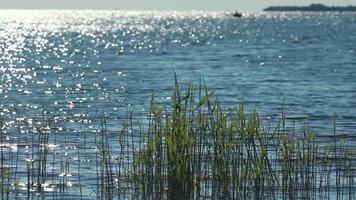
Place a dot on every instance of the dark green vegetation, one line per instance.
(191, 149)
(312, 8)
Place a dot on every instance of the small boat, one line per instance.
(237, 14)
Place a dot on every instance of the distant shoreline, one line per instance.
(312, 8)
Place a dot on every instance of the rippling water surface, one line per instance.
(78, 63)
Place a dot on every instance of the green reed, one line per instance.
(191, 148)
(194, 149)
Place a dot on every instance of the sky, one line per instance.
(208, 5)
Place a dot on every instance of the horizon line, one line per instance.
(119, 9)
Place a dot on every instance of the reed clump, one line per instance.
(192, 148)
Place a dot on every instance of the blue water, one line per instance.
(78, 63)
(105, 60)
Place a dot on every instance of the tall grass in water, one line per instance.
(189, 149)
(194, 149)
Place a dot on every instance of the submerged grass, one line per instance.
(191, 149)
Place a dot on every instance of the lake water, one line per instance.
(79, 63)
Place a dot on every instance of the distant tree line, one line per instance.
(312, 8)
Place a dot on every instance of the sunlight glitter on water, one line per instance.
(73, 66)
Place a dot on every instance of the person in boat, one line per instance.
(237, 14)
